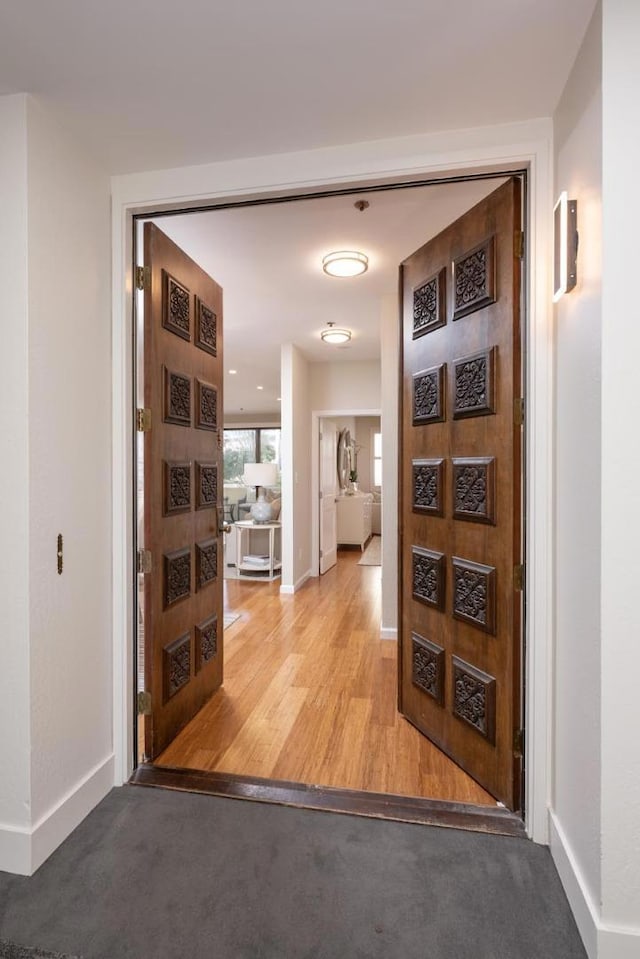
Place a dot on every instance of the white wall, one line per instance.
(70, 461)
(595, 830)
(578, 324)
(14, 489)
(620, 654)
(61, 722)
(296, 469)
(345, 386)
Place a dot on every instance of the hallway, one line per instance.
(309, 695)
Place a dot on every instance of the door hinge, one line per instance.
(519, 244)
(143, 420)
(143, 277)
(144, 561)
(518, 743)
(518, 577)
(518, 411)
(321, 554)
(144, 704)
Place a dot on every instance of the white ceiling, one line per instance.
(150, 84)
(268, 261)
(155, 83)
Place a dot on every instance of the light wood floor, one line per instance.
(309, 695)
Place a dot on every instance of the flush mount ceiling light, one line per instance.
(334, 336)
(345, 263)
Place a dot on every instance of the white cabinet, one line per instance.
(354, 519)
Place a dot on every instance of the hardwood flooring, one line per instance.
(309, 695)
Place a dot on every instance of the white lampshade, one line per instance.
(260, 474)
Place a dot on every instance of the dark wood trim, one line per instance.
(429, 812)
(351, 190)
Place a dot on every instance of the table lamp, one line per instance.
(260, 475)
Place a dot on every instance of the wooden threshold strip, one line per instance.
(430, 812)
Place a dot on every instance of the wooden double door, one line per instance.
(461, 539)
(460, 581)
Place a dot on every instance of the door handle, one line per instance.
(221, 524)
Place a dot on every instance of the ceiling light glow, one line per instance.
(335, 336)
(345, 263)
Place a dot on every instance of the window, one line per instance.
(242, 446)
(377, 460)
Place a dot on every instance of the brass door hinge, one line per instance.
(144, 704)
(519, 244)
(143, 420)
(518, 743)
(518, 577)
(518, 411)
(143, 277)
(144, 561)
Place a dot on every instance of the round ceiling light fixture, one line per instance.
(345, 263)
(334, 336)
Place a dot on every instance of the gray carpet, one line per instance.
(153, 874)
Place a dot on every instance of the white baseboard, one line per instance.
(601, 941)
(582, 905)
(387, 632)
(290, 590)
(15, 849)
(24, 849)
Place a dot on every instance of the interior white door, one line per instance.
(328, 494)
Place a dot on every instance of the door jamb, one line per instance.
(514, 147)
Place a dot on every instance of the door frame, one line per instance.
(316, 416)
(417, 159)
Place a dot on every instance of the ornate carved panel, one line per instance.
(474, 698)
(427, 667)
(177, 398)
(428, 572)
(206, 562)
(474, 279)
(206, 406)
(176, 307)
(474, 593)
(428, 486)
(206, 328)
(177, 575)
(428, 395)
(206, 641)
(429, 309)
(206, 485)
(176, 662)
(474, 384)
(474, 493)
(177, 488)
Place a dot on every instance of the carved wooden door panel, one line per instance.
(460, 492)
(183, 491)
